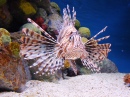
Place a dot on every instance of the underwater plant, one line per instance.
(50, 54)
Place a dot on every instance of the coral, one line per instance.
(31, 27)
(44, 26)
(66, 64)
(40, 22)
(14, 48)
(84, 40)
(55, 6)
(4, 36)
(84, 32)
(27, 8)
(77, 24)
(127, 79)
(2, 2)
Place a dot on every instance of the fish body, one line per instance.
(50, 53)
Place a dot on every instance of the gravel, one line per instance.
(93, 85)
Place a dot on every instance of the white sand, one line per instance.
(94, 85)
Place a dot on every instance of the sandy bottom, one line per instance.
(94, 85)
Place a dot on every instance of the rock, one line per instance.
(2, 2)
(50, 78)
(45, 4)
(55, 21)
(4, 36)
(82, 69)
(12, 71)
(5, 16)
(77, 24)
(15, 36)
(30, 26)
(54, 24)
(107, 66)
(41, 13)
(21, 10)
(84, 32)
(56, 7)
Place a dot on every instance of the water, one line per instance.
(96, 14)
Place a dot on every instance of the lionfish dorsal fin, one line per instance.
(69, 19)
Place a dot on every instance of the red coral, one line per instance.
(127, 79)
(40, 21)
(44, 26)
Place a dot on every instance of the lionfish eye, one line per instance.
(71, 38)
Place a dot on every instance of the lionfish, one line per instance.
(50, 53)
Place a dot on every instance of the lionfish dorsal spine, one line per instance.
(99, 32)
(42, 30)
(100, 39)
(69, 19)
(74, 16)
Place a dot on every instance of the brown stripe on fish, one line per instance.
(35, 35)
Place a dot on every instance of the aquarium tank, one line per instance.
(95, 14)
(50, 47)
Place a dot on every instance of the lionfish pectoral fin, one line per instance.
(90, 65)
(48, 65)
(73, 66)
(43, 50)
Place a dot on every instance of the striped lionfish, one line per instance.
(51, 53)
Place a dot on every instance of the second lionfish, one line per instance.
(50, 53)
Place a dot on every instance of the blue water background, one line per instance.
(96, 14)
